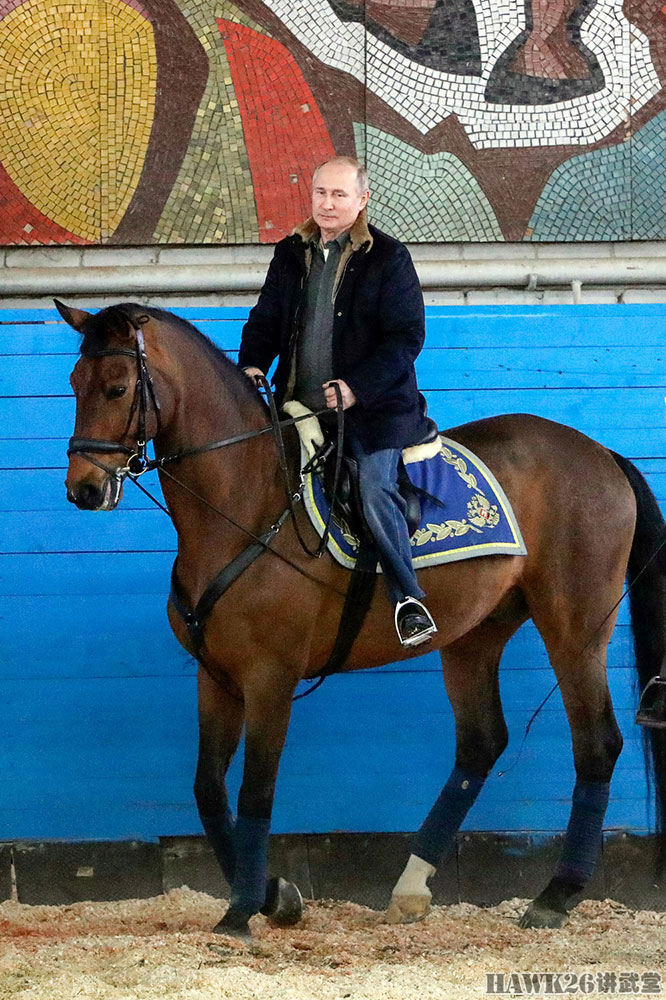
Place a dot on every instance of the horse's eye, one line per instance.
(116, 391)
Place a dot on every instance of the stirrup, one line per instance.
(425, 634)
(652, 706)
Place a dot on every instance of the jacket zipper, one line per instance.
(294, 333)
(342, 276)
(293, 336)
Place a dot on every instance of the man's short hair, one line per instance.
(348, 161)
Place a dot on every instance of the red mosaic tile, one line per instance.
(22, 223)
(284, 130)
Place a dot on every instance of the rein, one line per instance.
(138, 462)
(277, 427)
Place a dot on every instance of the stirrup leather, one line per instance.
(425, 634)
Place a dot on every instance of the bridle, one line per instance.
(145, 397)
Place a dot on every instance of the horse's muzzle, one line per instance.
(88, 495)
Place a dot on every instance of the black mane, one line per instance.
(99, 329)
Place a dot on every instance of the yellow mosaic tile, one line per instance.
(74, 136)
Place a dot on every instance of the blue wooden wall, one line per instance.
(97, 701)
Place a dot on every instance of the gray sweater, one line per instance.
(314, 359)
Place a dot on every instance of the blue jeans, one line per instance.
(384, 510)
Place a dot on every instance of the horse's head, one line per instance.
(116, 404)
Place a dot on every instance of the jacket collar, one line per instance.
(359, 234)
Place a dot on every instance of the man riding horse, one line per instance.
(342, 305)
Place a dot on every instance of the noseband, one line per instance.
(138, 461)
(144, 396)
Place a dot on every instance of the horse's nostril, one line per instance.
(86, 495)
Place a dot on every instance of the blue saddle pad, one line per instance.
(477, 519)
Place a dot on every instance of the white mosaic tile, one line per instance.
(396, 79)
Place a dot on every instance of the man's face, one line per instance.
(336, 200)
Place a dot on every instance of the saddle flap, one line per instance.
(348, 506)
(412, 497)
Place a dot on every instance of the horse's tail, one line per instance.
(646, 574)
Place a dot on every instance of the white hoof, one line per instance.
(411, 896)
(408, 909)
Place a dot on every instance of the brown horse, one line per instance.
(587, 518)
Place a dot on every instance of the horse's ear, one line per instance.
(117, 322)
(75, 317)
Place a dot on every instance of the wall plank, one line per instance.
(438, 368)
(98, 713)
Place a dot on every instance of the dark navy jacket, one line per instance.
(378, 331)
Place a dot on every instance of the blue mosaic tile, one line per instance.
(421, 197)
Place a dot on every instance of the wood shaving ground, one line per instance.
(162, 948)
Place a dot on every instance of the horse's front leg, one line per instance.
(220, 725)
(267, 711)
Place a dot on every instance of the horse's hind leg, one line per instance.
(596, 745)
(470, 668)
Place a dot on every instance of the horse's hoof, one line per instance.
(537, 915)
(407, 909)
(284, 903)
(234, 924)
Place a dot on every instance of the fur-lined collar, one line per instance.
(359, 234)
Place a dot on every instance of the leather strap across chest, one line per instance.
(196, 618)
(144, 396)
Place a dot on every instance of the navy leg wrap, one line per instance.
(582, 842)
(248, 892)
(435, 838)
(220, 833)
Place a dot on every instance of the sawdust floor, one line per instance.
(162, 948)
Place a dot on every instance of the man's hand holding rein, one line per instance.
(348, 397)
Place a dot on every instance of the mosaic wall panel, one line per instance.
(200, 121)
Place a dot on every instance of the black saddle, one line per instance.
(348, 512)
(347, 506)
